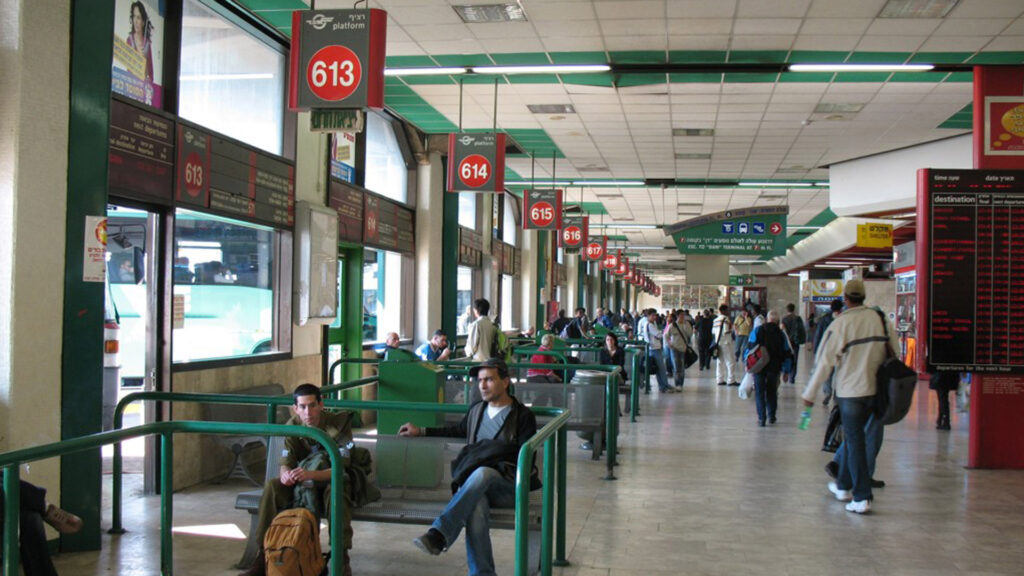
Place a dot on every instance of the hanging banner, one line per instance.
(543, 209)
(595, 249)
(574, 232)
(337, 59)
(874, 235)
(476, 162)
(611, 262)
(759, 231)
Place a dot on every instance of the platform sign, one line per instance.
(759, 231)
(967, 280)
(193, 166)
(476, 162)
(574, 231)
(623, 267)
(543, 209)
(337, 59)
(595, 249)
(611, 262)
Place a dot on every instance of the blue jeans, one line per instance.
(741, 344)
(766, 394)
(659, 361)
(471, 507)
(854, 472)
(874, 432)
(679, 367)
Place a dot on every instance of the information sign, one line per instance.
(543, 209)
(388, 225)
(742, 280)
(141, 153)
(347, 200)
(758, 231)
(476, 162)
(595, 248)
(874, 235)
(193, 166)
(249, 183)
(574, 232)
(337, 59)
(975, 220)
(471, 247)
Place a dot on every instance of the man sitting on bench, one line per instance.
(279, 493)
(484, 472)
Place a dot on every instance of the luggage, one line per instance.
(833, 431)
(896, 384)
(757, 359)
(292, 544)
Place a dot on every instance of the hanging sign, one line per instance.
(623, 267)
(611, 262)
(595, 248)
(337, 59)
(574, 232)
(192, 185)
(543, 209)
(476, 162)
(874, 235)
(759, 231)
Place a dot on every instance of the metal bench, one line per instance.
(414, 476)
(240, 445)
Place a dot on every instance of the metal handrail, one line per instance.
(548, 435)
(11, 461)
(272, 401)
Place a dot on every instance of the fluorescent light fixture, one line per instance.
(627, 226)
(838, 266)
(778, 184)
(744, 261)
(608, 183)
(649, 247)
(542, 69)
(538, 183)
(207, 77)
(794, 274)
(861, 67)
(198, 244)
(475, 14)
(436, 71)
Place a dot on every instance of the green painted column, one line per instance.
(92, 28)
(352, 311)
(602, 291)
(542, 246)
(450, 264)
(581, 280)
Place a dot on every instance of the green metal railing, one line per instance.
(555, 426)
(11, 461)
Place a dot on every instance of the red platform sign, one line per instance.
(543, 209)
(337, 59)
(595, 249)
(476, 162)
(611, 262)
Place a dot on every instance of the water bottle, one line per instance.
(805, 418)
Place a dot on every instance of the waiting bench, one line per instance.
(239, 445)
(414, 477)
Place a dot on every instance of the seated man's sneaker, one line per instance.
(432, 542)
(65, 522)
(859, 506)
(841, 495)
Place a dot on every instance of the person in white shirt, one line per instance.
(722, 336)
(482, 332)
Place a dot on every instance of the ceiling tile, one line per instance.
(772, 8)
(987, 9)
(845, 8)
(705, 8)
(829, 26)
(1006, 44)
(903, 26)
(890, 43)
(633, 27)
(972, 27)
(553, 10)
(817, 42)
(699, 26)
(773, 42)
(711, 42)
(617, 9)
(636, 42)
(955, 43)
(561, 29)
(555, 43)
(764, 26)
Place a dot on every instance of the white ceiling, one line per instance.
(765, 130)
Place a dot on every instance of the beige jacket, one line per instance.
(481, 337)
(854, 345)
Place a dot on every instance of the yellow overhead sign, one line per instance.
(874, 235)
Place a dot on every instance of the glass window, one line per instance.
(464, 299)
(510, 230)
(508, 302)
(467, 210)
(382, 295)
(230, 81)
(225, 279)
(386, 173)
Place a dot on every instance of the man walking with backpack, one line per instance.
(794, 325)
(854, 346)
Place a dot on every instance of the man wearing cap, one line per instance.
(854, 346)
(484, 472)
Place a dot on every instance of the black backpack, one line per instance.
(896, 384)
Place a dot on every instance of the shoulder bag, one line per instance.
(895, 384)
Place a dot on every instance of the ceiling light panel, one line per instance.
(917, 8)
(551, 108)
(481, 13)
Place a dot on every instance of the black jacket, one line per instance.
(520, 425)
(771, 337)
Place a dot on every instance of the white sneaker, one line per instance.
(841, 495)
(859, 506)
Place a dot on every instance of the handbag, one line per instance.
(833, 431)
(746, 386)
(895, 383)
(757, 359)
(689, 357)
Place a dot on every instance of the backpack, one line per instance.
(896, 385)
(571, 331)
(501, 347)
(757, 359)
(292, 544)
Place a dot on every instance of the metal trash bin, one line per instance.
(587, 400)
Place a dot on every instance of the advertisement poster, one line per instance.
(138, 50)
(94, 260)
(1004, 126)
(343, 157)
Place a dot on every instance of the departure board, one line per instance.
(388, 225)
(141, 153)
(347, 200)
(976, 239)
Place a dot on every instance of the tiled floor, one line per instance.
(700, 490)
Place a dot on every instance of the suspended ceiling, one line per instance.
(781, 126)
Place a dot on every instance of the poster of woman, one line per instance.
(138, 50)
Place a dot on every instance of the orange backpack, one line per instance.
(292, 544)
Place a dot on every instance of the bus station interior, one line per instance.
(696, 112)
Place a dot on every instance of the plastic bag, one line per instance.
(746, 386)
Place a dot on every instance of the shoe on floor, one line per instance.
(586, 446)
(432, 542)
(734, 383)
(760, 423)
(877, 483)
(841, 495)
(721, 383)
(65, 522)
(259, 565)
(832, 469)
(771, 420)
(859, 506)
